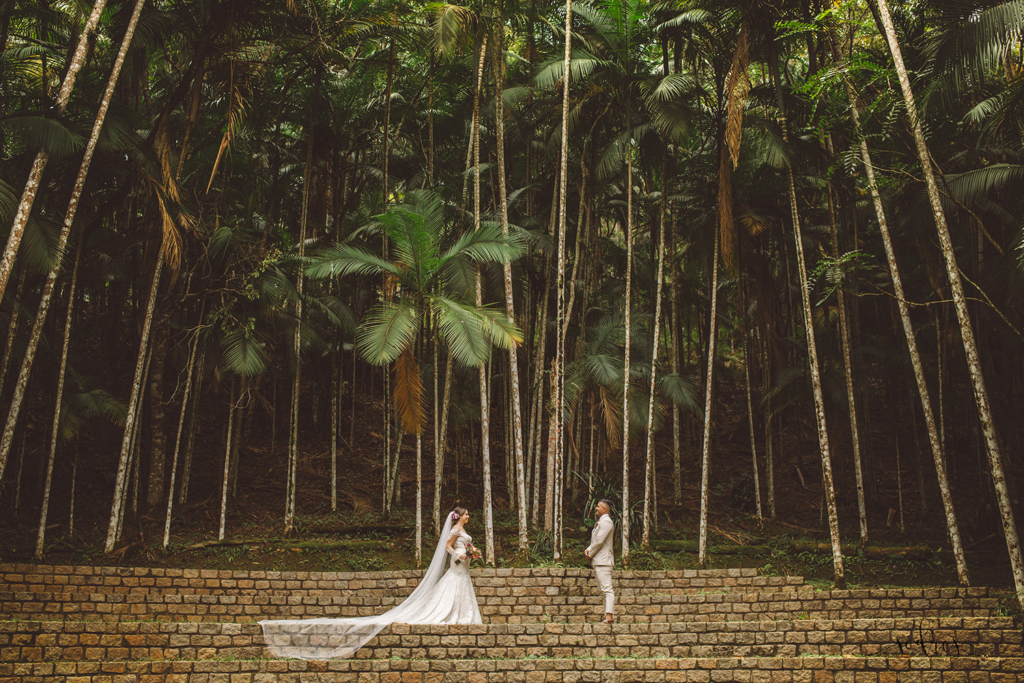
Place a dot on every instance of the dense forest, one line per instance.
(549, 249)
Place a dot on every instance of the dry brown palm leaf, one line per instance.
(408, 392)
(612, 418)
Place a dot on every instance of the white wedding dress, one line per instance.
(442, 597)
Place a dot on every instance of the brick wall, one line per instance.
(33, 641)
(504, 605)
(743, 669)
(142, 580)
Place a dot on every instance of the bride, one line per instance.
(440, 598)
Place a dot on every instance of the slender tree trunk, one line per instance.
(76, 193)
(293, 437)
(441, 445)
(186, 468)
(709, 387)
(812, 351)
(12, 328)
(35, 175)
(535, 509)
(71, 497)
(419, 500)
(750, 418)
(851, 396)
(113, 527)
(232, 409)
(649, 458)
(908, 329)
(513, 358)
(485, 422)
(335, 389)
(627, 343)
(130, 490)
(187, 392)
(536, 421)
(557, 438)
(677, 350)
(20, 468)
(157, 412)
(44, 508)
(960, 304)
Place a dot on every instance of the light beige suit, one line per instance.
(602, 557)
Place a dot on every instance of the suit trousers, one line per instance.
(604, 582)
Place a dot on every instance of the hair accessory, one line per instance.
(455, 516)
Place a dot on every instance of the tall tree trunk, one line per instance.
(812, 349)
(335, 390)
(677, 350)
(76, 193)
(293, 437)
(645, 543)
(851, 396)
(186, 468)
(157, 412)
(233, 399)
(12, 328)
(934, 437)
(536, 421)
(44, 508)
(558, 388)
(71, 496)
(35, 175)
(753, 438)
(419, 499)
(627, 308)
(441, 443)
(513, 357)
(114, 524)
(485, 421)
(709, 387)
(186, 394)
(963, 315)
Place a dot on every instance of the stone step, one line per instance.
(558, 670)
(38, 641)
(510, 608)
(67, 579)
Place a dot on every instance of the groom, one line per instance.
(601, 556)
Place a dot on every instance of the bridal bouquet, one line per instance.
(471, 554)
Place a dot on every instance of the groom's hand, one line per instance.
(586, 553)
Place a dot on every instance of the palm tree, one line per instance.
(960, 304)
(76, 194)
(35, 175)
(421, 269)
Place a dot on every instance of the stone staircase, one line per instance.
(138, 625)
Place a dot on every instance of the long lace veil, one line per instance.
(335, 638)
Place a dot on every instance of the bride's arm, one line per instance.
(450, 545)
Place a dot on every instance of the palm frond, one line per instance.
(387, 331)
(41, 132)
(501, 331)
(972, 186)
(243, 353)
(338, 260)
(681, 390)
(487, 245)
(462, 329)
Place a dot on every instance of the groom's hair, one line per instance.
(606, 502)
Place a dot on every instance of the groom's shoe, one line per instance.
(608, 619)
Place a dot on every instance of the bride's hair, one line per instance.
(459, 512)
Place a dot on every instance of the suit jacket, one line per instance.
(602, 541)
